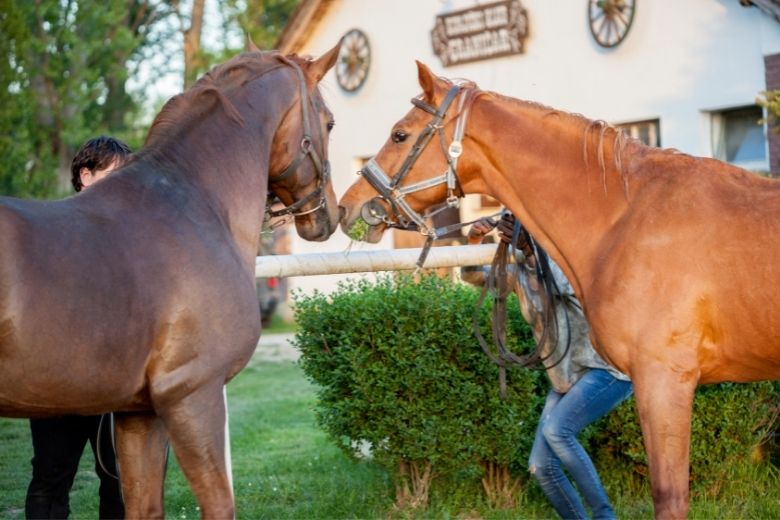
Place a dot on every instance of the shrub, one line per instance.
(731, 422)
(398, 367)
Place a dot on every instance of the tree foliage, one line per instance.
(64, 68)
(260, 20)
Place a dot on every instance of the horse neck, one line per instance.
(229, 168)
(559, 173)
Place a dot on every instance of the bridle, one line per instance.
(394, 195)
(306, 150)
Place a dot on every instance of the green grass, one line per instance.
(279, 324)
(285, 468)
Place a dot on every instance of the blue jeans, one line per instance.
(556, 446)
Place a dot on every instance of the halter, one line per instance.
(306, 150)
(390, 191)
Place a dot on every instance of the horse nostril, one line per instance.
(342, 213)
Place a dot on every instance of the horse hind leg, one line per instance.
(664, 401)
(142, 443)
(197, 428)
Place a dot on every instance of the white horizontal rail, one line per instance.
(310, 264)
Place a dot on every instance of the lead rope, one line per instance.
(497, 281)
(97, 443)
(436, 233)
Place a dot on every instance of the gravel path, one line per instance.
(276, 347)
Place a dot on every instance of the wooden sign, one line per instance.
(479, 33)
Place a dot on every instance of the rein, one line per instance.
(498, 283)
(307, 150)
(393, 194)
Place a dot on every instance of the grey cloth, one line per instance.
(564, 368)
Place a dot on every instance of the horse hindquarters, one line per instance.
(664, 401)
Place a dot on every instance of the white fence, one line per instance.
(311, 264)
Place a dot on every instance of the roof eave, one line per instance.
(299, 26)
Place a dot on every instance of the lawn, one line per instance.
(285, 467)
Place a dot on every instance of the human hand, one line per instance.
(506, 227)
(479, 229)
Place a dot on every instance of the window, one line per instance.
(738, 137)
(645, 131)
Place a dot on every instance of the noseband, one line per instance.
(393, 194)
(306, 150)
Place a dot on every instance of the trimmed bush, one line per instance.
(398, 367)
(732, 431)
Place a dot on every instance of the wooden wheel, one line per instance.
(610, 20)
(354, 60)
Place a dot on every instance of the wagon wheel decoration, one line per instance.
(354, 60)
(610, 20)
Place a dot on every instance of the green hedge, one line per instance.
(732, 433)
(397, 365)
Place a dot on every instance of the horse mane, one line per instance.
(209, 92)
(595, 134)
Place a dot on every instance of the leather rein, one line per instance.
(497, 282)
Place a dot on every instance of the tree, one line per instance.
(262, 20)
(64, 66)
(194, 62)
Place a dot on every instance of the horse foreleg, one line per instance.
(197, 426)
(141, 446)
(664, 400)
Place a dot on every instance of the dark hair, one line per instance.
(96, 154)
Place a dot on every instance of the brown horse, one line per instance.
(138, 295)
(673, 257)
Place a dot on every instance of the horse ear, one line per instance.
(250, 45)
(316, 69)
(427, 80)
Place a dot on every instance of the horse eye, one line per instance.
(399, 136)
(330, 125)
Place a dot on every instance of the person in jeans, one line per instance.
(584, 387)
(58, 442)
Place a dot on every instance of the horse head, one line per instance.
(299, 169)
(265, 110)
(424, 176)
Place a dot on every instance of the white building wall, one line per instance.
(680, 59)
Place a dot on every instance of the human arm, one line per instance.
(475, 274)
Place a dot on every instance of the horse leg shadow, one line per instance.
(197, 428)
(664, 400)
(142, 443)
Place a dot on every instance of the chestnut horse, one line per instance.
(673, 257)
(138, 295)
